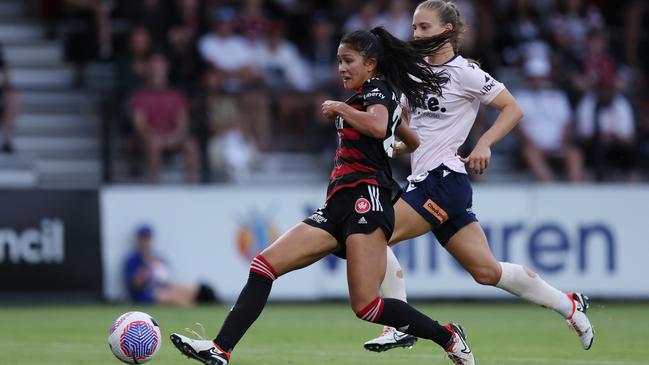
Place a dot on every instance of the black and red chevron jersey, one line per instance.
(360, 158)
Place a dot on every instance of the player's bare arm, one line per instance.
(373, 122)
(510, 114)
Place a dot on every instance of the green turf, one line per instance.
(499, 333)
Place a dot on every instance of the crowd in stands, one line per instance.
(224, 82)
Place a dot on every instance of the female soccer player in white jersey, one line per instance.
(439, 197)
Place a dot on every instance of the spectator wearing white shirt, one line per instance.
(545, 130)
(280, 62)
(232, 57)
(231, 154)
(228, 52)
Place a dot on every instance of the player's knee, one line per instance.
(358, 306)
(368, 312)
(260, 266)
(486, 275)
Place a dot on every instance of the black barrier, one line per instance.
(50, 244)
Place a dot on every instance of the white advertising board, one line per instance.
(593, 239)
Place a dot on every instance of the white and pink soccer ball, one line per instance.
(134, 337)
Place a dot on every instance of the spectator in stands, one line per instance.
(154, 15)
(595, 60)
(398, 19)
(282, 66)
(161, 120)
(89, 28)
(366, 18)
(606, 130)
(232, 58)
(574, 19)
(191, 16)
(566, 64)
(186, 65)
(150, 280)
(321, 56)
(88, 34)
(290, 84)
(231, 154)
(253, 20)
(519, 27)
(131, 69)
(8, 107)
(545, 131)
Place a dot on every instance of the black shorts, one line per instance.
(444, 198)
(360, 209)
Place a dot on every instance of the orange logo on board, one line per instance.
(435, 210)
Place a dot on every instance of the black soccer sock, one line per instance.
(248, 306)
(400, 315)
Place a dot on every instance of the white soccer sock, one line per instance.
(529, 286)
(393, 285)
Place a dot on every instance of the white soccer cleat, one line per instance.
(579, 322)
(390, 339)
(201, 350)
(458, 351)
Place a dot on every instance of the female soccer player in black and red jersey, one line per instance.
(358, 216)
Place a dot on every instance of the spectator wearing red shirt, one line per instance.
(161, 120)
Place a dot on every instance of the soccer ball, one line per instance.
(134, 337)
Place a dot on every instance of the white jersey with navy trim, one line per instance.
(444, 123)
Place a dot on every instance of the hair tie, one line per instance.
(375, 36)
(378, 43)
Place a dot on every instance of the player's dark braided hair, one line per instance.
(401, 63)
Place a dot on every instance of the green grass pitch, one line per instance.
(328, 334)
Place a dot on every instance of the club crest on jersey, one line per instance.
(362, 205)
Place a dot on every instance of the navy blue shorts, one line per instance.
(360, 209)
(444, 198)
